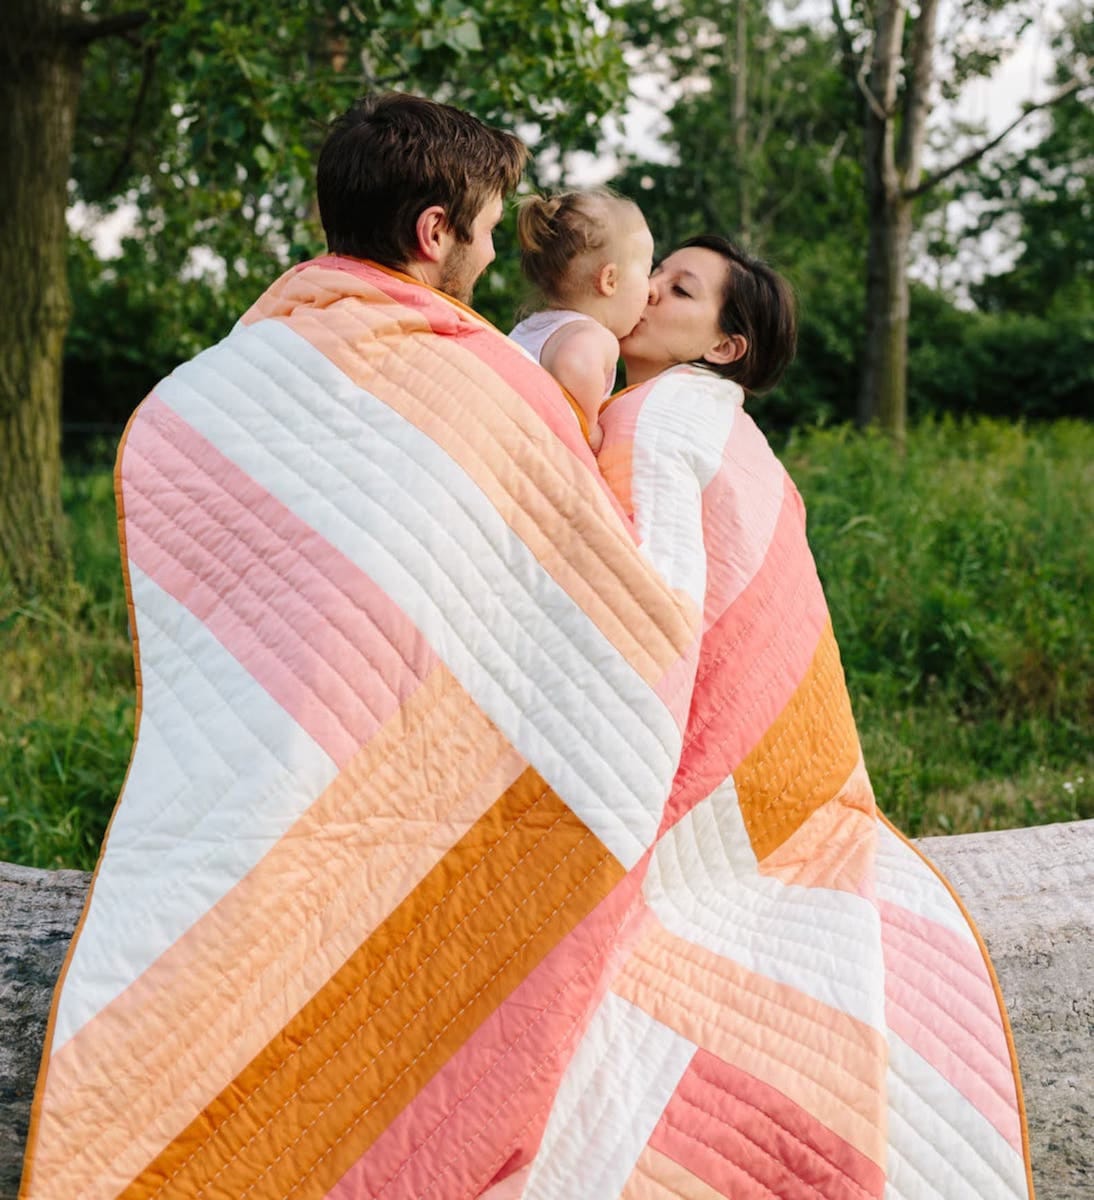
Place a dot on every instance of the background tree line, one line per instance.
(802, 134)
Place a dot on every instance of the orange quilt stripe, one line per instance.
(319, 1094)
(804, 758)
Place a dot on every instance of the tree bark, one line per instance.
(39, 91)
(882, 382)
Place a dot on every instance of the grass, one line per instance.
(960, 580)
(961, 585)
(66, 686)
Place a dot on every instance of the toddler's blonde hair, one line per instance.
(558, 232)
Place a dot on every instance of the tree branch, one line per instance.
(148, 65)
(965, 160)
(81, 31)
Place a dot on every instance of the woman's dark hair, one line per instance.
(391, 156)
(759, 304)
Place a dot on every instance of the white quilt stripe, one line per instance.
(704, 886)
(679, 440)
(939, 1144)
(904, 878)
(624, 1073)
(397, 505)
(187, 828)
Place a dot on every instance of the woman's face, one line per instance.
(680, 322)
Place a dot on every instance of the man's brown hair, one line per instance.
(393, 155)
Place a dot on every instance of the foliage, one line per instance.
(960, 584)
(209, 122)
(960, 579)
(778, 174)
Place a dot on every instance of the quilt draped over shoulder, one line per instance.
(462, 853)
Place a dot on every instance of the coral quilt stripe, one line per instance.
(752, 661)
(826, 1062)
(174, 1040)
(293, 609)
(462, 1130)
(804, 757)
(743, 1136)
(324, 1089)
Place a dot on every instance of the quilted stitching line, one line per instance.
(980, 995)
(425, 1050)
(241, 582)
(564, 485)
(704, 912)
(595, 955)
(815, 1076)
(596, 1138)
(1007, 1096)
(898, 1113)
(693, 1137)
(483, 628)
(209, 999)
(541, 1066)
(356, 990)
(813, 1150)
(171, 886)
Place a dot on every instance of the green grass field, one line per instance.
(959, 579)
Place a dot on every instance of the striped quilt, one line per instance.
(464, 854)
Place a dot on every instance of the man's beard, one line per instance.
(456, 279)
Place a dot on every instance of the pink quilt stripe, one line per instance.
(940, 1001)
(751, 663)
(280, 598)
(480, 1119)
(739, 522)
(745, 1138)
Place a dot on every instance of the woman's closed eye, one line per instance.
(679, 290)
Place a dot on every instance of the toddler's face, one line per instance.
(634, 258)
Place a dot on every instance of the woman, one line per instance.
(804, 1009)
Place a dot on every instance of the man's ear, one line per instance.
(729, 349)
(607, 279)
(433, 233)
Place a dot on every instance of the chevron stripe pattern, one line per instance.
(495, 827)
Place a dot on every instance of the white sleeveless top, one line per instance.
(532, 333)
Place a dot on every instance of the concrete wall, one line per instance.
(1030, 891)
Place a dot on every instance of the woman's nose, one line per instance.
(653, 297)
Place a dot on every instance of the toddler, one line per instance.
(589, 254)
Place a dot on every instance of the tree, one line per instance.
(762, 126)
(206, 114)
(892, 53)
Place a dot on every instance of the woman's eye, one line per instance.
(679, 291)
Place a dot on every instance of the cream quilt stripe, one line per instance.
(600, 737)
(210, 740)
(941, 1146)
(904, 878)
(704, 886)
(613, 1094)
(673, 461)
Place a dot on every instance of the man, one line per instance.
(410, 707)
(417, 186)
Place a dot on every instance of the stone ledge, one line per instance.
(1030, 892)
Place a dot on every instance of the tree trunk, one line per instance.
(883, 382)
(39, 91)
(740, 125)
(882, 394)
